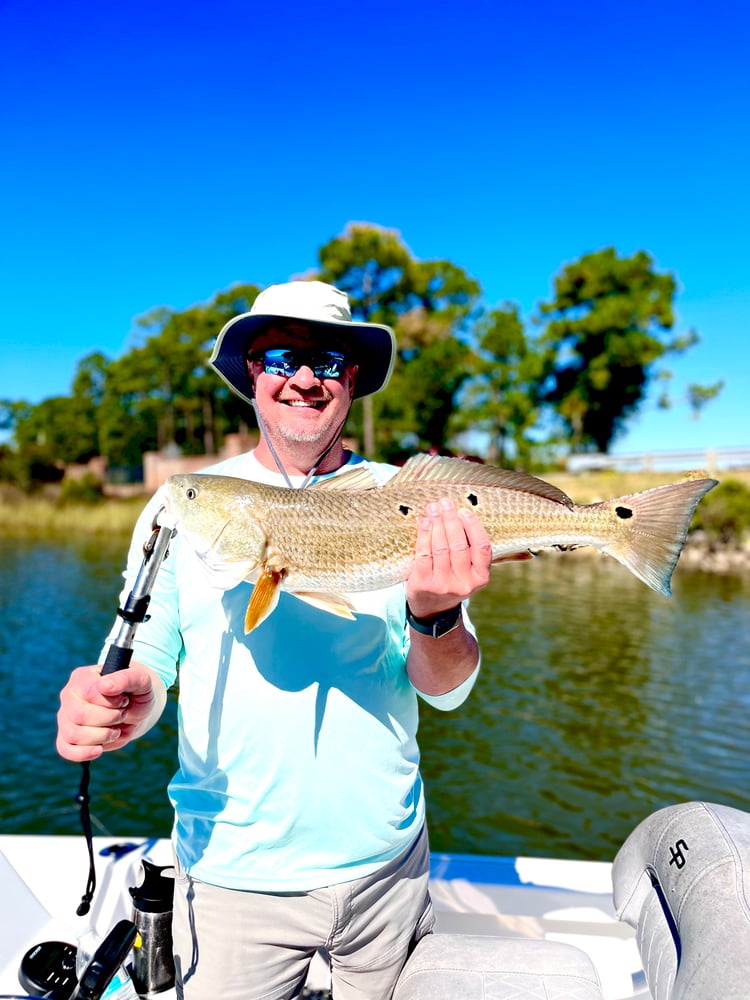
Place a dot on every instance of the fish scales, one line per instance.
(362, 541)
(347, 534)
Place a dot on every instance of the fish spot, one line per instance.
(623, 512)
(404, 509)
(473, 499)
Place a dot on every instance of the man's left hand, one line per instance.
(452, 560)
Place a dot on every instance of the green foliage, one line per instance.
(162, 392)
(428, 303)
(699, 395)
(11, 411)
(28, 467)
(60, 429)
(724, 514)
(460, 369)
(501, 396)
(86, 490)
(413, 414)
(607, 330)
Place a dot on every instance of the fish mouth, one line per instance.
(165, 517)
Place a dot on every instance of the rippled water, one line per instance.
(598, 702)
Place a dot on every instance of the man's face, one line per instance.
(302, 407)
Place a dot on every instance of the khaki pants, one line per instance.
(235, 945)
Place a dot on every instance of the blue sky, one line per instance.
(157, 152)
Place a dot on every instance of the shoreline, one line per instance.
(708, 559)
(696, 556)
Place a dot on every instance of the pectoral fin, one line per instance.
(264, 598)
(335, 604)
(513, 557)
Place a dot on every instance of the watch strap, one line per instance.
(435, 625)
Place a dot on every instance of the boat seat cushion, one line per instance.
(472, 967)
(682, 880)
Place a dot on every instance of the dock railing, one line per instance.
(711, 460)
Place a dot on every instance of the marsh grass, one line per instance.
(44, 516)
(591, 487)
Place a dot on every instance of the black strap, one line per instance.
(83, 800)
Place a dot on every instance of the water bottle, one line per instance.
(152, 970)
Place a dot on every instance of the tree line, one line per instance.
(467, 376)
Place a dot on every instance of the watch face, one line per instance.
(447, 622)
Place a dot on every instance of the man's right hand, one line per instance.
(104, 713)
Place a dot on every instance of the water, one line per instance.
(598, 702)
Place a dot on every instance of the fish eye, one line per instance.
(191, 493)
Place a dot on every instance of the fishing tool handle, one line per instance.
(118, 657)
(135, 609)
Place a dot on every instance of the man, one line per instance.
(299, 809)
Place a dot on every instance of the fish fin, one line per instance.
(443, 469)
(335, 604)
(360, 478)
(514, 557)
(264, 598)
(661, 518)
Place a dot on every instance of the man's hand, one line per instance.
(452, 560)
(104, 713)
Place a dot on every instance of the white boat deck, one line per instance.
(42, 880)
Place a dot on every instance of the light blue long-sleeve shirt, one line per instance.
(298, 758)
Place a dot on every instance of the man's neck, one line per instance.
(299, 462)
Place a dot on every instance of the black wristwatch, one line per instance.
(435, 625)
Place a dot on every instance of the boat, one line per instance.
(667, 919)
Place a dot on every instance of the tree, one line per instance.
(165, 387)
(501, 396)
(11, 411)
(699, 395)
(608, 327)
(428, 304)
(89, 387)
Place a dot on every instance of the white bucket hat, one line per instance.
(373, 346)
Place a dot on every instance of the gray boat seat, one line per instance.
(472, 967)
(682, 880)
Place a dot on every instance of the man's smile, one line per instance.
(316, 404)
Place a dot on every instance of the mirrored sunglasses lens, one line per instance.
(324, 364)
(328, 364)
(279, 363)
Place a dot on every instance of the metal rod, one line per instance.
(136, 606)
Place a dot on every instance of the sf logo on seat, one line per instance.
(677, 854)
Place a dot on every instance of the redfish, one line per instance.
(347, 533)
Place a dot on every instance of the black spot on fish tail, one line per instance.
(404, 509)
(624, 512)
(473, 499)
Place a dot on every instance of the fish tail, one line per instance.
(660, 519)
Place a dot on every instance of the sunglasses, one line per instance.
(286, 361)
